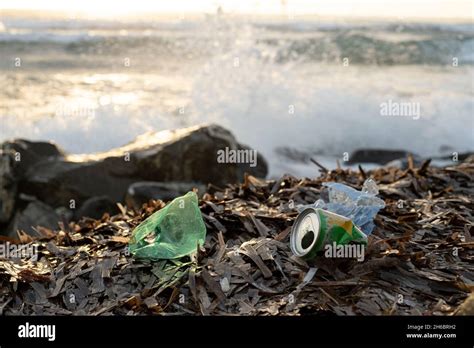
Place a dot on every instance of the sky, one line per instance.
(462, 9)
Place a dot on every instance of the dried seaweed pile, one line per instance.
(419, 258)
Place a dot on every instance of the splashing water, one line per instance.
(325, 109)
(274, 85)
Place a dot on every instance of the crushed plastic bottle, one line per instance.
(172, 232)
(359, 206)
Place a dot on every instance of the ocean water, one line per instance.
(309, 87)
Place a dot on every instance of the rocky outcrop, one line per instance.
(8, 186)
(181, 156)
(15, 159)
(378, 156)
(184, 155)
(28, 153)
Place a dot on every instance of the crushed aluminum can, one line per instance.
(314, 228)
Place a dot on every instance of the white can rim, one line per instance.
(298, 233)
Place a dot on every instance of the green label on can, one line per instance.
(339, 229)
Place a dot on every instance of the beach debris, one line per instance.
(172, 232)
(418, 261)
(316, 228)
(359, 206)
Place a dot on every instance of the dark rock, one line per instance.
(141, 192)
(378, 156)
(62, 183)
(66, 214)
(441, 161)
(190, 154)
(27, 153)
(95, 208)
(184, 155)
(35, 214)
(8, 187)
(15, 158)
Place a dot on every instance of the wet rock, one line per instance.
(15, 158)
(27, 153)
(35, 214)
(95, 208)
(183, 155)
(378, 156)
(70, 184)
(141, 192)
(8, 187)
(66, 214)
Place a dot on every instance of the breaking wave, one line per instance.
(275, 86)
(383, 44)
